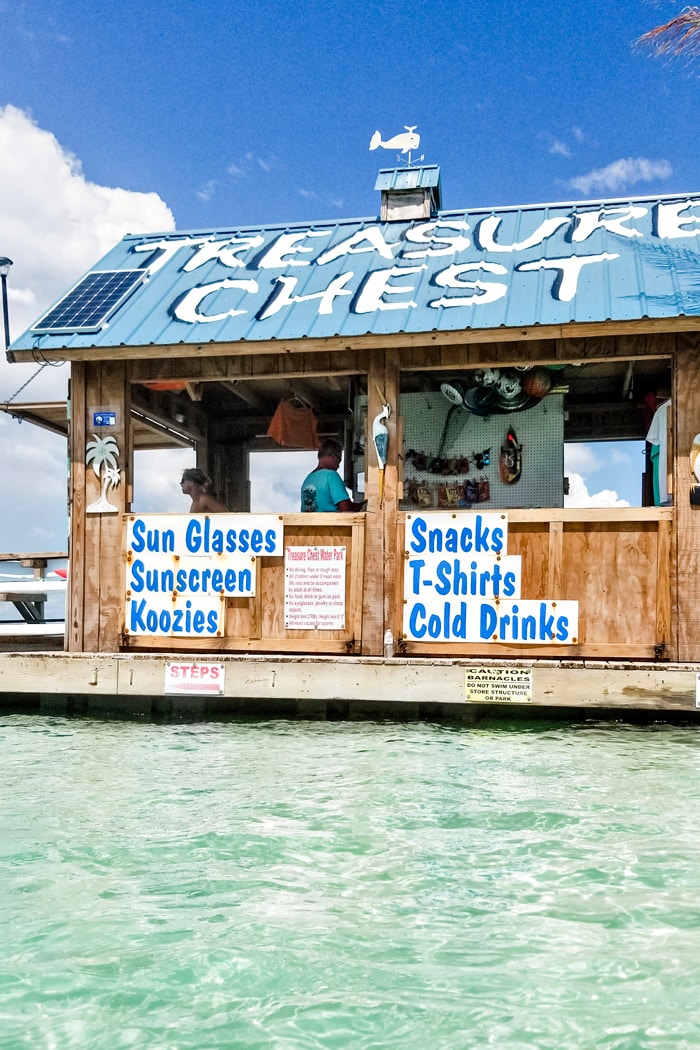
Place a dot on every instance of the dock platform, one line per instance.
(140, 686)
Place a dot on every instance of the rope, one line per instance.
(40, 369)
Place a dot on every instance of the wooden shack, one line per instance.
(494, 336)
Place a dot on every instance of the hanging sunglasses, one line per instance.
(482, 459)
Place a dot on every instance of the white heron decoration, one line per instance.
(380, 436)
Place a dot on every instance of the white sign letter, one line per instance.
(429, 233)
(188, 308)
(224, 251)
(369, 240)
(282, 295)
(377, 285)
(670, 223)
(482, 291)
(611, 219)
(288, 244)
(564, 287)
(485, 234)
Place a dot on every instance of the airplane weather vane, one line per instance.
(406, 142)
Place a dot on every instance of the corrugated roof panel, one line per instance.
(424, 177)
(501, 268)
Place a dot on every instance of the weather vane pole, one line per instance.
(406, 141)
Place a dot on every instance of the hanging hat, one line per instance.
(453, 391)
(487, 376)
(481, 400)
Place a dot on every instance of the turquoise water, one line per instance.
(343, 885)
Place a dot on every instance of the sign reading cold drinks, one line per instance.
(460, 585)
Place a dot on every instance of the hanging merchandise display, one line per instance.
(294, 426)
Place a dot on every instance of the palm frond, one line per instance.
(679, 36)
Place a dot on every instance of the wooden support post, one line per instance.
(75, 606)
(686, 413)
(96, 575)
(380, 540)
(392, 563)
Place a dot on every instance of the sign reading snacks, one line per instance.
(181, 568)
(460, 585)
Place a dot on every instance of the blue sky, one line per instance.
(193, 113)
(254, 112)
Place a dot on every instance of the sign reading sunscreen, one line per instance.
(180, 568)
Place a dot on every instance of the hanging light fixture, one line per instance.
(5, 265)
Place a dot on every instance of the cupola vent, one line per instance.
(409, 193)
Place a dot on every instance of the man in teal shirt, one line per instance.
(323, 489)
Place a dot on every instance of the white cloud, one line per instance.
(579, 496)
(157, 481)
(559, 148)
(276, 479)
(620, 458)
(580, 459)
(207, 191)
(242, 171)
(55, 225)
(621, 174)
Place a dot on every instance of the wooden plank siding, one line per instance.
(76, 611)
(400, 341)
(257, 624)
(336, 358)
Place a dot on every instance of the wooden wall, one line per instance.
(95, 614)
(613, 562)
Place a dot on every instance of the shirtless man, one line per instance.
(195, 484)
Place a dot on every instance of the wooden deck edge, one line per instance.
(133, 685)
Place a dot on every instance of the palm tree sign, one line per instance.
(103, 453)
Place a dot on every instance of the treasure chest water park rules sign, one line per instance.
(460, 585)
(314, 588)
(181, 568)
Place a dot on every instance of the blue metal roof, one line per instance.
(551, 264)
(426, 176)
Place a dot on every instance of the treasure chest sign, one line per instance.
(460, 585)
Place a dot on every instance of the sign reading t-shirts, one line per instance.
(460, 585)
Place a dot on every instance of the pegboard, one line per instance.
(539, 430)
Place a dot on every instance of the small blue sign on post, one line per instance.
(104, 419)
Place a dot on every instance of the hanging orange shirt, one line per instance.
(293, 426)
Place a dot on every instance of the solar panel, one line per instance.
(86, 307)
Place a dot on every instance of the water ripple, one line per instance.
(294, 885)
